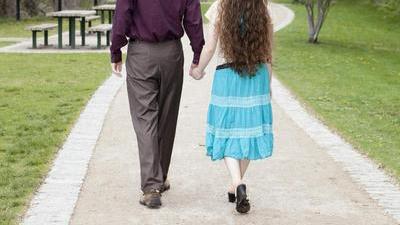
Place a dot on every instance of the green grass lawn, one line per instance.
(204, 8)
(352, 78)
(5, 43)
(41, 96)
(11, 28)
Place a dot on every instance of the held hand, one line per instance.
(197, 74)
(117, 68)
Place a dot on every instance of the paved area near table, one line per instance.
(300, 184)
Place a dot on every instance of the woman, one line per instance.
(239, 119)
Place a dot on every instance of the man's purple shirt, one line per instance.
(156, 21)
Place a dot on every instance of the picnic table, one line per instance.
(110, 8)
(71, 15)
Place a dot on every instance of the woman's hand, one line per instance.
(117, 68)
(197, 74)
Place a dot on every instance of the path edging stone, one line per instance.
(54, 202)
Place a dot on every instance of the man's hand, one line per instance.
(197, 74)
(191, 69)
(117, 68)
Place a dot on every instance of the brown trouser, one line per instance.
(154, 82)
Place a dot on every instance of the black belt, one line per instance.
(223, 66)
(132, 40)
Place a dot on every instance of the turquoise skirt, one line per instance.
(239, 120)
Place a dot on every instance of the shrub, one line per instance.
(390, 6)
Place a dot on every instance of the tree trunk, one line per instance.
(314, 27)
(310, 18)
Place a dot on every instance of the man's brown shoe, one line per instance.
(165, 187)
(151, 199)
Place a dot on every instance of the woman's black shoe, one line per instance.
(242, 203)
(231, 197)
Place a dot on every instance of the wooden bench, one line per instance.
(39, 28)
(88, 19)
(101, 29)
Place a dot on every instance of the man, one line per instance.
(154, 68)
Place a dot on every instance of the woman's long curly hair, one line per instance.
(245, 32)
